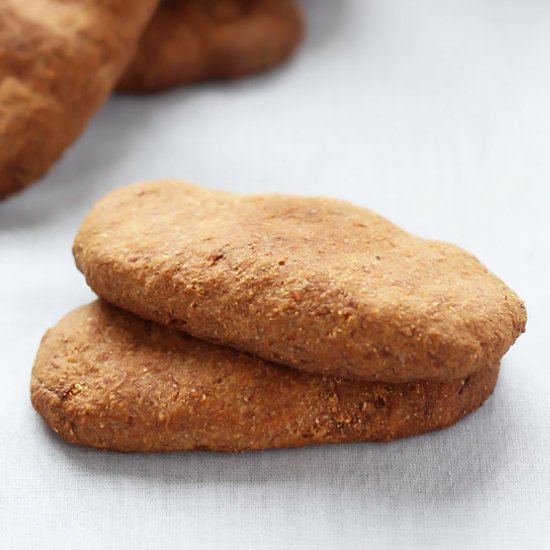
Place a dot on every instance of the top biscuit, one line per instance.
(314, 283)
(58, 63)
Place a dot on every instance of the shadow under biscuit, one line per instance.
(440, 467)
(326, 21)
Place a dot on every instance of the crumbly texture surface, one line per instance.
(58, 63)
(191, 40)
(104, 378)
(317, 284)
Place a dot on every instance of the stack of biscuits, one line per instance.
(231, 322)
(60, 61)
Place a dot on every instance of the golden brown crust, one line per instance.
(58, 63)
(104, 378)
(317, 284)
(190, 40)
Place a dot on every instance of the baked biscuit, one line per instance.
(58, 63)
(190, 40)
(104, 378)
(317, 284)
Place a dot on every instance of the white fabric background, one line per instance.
(436, 113)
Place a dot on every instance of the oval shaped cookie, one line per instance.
(317, 284)
(107, 379)
(59, 62)
(191, 40)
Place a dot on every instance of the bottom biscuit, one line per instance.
(107, 379)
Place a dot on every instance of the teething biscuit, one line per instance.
(317, 284)
(58, 63)
(104, 378)
(190, 40)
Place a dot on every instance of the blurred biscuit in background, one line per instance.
(58, 64)
(191, 40)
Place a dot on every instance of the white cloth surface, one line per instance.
(435, 113)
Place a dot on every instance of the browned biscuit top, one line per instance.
(317, 284)
(58, 63)
(107, 379)
(190, 40)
